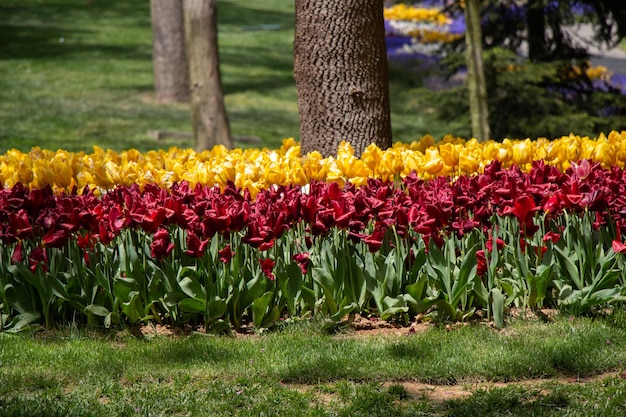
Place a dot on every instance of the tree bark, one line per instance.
(341, 74)
(208, 110)
(171, 78)
(475, 72)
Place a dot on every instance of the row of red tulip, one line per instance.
(432, 208)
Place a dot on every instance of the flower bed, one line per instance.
(394, 246)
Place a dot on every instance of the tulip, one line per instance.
(267, 266)
(226, 254)
(161, 245)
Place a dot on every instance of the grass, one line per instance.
(301, 370)
(77, 73)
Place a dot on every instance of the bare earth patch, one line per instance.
(443, 393)
(356, 326)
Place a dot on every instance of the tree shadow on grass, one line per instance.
(53, 43)
(250, 17)
(52, 30)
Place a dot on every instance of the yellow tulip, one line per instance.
(449, 153)
(433, 163)
(468, 164)
(522, 152)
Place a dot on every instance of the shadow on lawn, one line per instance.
(250, 17)
(57, 30)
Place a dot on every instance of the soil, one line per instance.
(443, 393)
(355, 326)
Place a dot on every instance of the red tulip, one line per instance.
(226, 254)
(18, 254)
(523, 208)
(302, 259)
(499, 244)
(195, 246)
(38, 258)
(375, 240)
(267, 266)
(618, 246)
(481, 262)
(552, 237)
(161, 245)
(56, 238)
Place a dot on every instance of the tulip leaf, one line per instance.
(192, 305)
(260, 308)
(174, 297)
(291, 284)
(538, 285)
(192, 288)
(393, 306)
(22, 321)
(496, 302)
(216, 307)
(345, 309)
(325, 280)
(252, 290)
(605, 296)
(132, 307)
(98, 310)
(21, 271)
(18, 298)
(566, 294)
(568, 266)
(102, 281)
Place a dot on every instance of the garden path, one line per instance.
(614, 59)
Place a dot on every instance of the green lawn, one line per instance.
(76, 73)
(303, 371)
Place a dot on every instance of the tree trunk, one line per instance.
(475, 73)
(210, 122)
(341, 74)
(536, 27)
(171, 78)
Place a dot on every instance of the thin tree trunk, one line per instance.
(341, 74)
(475, 72)
(207, 96)
(171, 78)
(536, 27)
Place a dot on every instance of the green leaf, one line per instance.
(496, 300)
(417, 289)
(567, 294)
(568, 266)
(252, 290)
(539, 285)
(393, 306)
(132, 307)
(22, 321)
(325, 280)
(98, 310)
(216, 308)
(260, 308)
(21, 271)
(19, 298)
(192, 287)
(192, 305)
(343, 310)
(604, 296)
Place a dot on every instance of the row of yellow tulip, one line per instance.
(257, 169)
(432, 36)
(415, 14)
